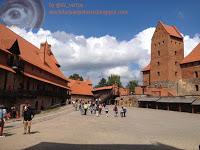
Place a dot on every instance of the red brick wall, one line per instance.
(43, 74)
(146, 78)
(123, 91)
(188, 71)
(138, 90)
(187, 86)
(161, 41)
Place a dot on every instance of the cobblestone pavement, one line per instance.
(141, 129)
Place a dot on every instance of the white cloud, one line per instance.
(95, 57)
(124, 72)
(190, 43)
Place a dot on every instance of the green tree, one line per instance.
(131, 85)
(102, 83)
(114, 79)
(76, 76)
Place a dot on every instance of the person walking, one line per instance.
(122, 112)
(97, 110)
(115, 109)
(82, 108)
(13, 112)
(106, 110)
(100, 109)
(28, 116)
(2, 119)
(76, 105)
(91, 108)
(85, 106)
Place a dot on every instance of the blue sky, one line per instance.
(141, 15)
(100, 45)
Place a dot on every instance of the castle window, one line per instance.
(159, 43)
(176, 73)
(176, 62)
(158, 63)
(175, 52)
(155, 44)
(158, 73)
(196, 74)
(163, 42)
(158, 53)
(197, 87)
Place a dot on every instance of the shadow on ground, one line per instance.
(8, 127)
(61, 146)
(34, 132)
(8, 134)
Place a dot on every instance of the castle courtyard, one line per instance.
(64, 128)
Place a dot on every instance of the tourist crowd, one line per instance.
(97, 108)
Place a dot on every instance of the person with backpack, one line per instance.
(2, 119)
(28, 116)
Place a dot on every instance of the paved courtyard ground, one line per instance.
(143, 129)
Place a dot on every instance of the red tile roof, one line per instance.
(103, 88)
(193, 56)
(172, 30)
(147, 68)
(80, 87)
(29, 52)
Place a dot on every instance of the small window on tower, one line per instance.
(176, 62)
(158, 63)
(155, 44)
(197, 87)
(196, 74)
(163, 42)
(158, 73)
(176, 73)
(175, 53)
(158, 53)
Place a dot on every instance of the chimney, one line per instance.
(45, 51)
